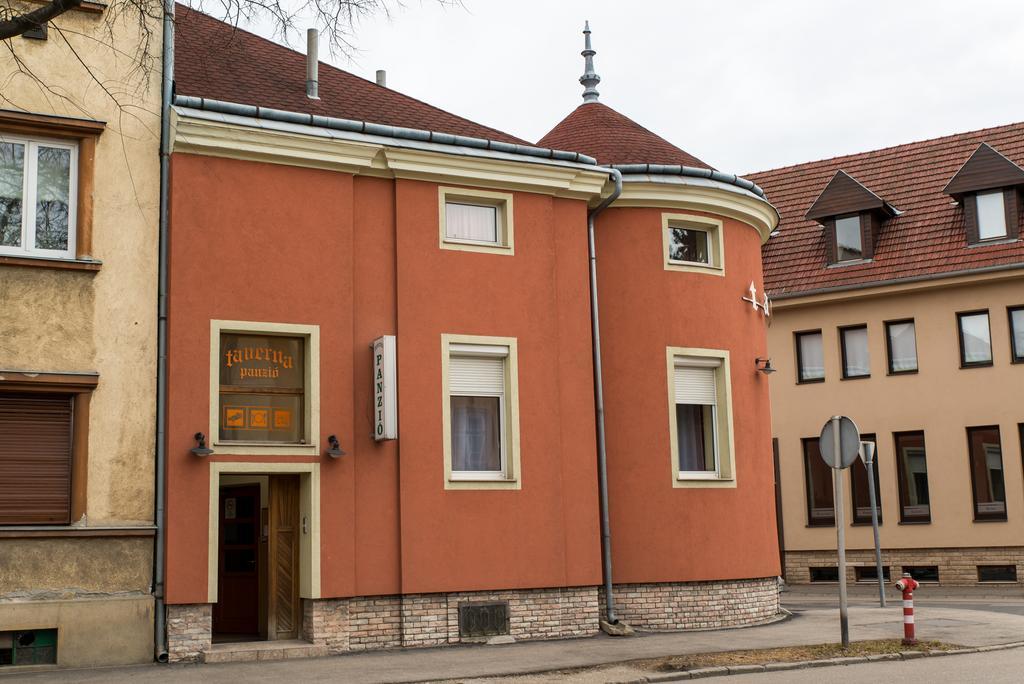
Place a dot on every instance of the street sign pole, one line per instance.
(844, 625)
(869, 463)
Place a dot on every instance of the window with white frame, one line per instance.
(37, 196)
(692, 243)
(476, 220)
(697, 416)
(700, 417)
(481, 417)
(991, 215)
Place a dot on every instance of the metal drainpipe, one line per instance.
(602, 457)
(159, 627)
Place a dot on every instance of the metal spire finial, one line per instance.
(589, 79)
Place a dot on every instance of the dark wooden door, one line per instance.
(237, 611)
(283, 565)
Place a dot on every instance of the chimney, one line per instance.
(312, 64)
(382, 78)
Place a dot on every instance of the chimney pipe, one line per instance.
(312, 64)
(382, 78)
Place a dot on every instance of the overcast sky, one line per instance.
(744, 85)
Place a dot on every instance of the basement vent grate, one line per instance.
(483, 619)
(30, 647)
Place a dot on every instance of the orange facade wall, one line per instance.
(360, 258)
(661, 533)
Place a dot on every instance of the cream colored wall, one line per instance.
(940, 399)
(105, 321)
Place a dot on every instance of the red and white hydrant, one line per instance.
(907, 585)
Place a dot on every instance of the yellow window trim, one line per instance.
(309, 508)
(713, 227)
(726, 450)
(312, 378)
(513, 478)
(501, 200)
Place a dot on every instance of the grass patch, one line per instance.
(787, 654)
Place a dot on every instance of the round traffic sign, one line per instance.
(849, 443)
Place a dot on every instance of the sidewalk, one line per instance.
(811, 623)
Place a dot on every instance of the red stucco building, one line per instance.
(382, 427)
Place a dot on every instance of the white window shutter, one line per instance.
(469, 375)
(695, 385)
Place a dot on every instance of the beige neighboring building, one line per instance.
(897, 278)
(79, 197)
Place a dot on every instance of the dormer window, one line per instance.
(991, 215)
(988, 187)
(849, 242)
(851, 216)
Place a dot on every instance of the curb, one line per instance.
(721, 671)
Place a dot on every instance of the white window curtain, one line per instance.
(903, 346)
(812, 357)
(856, 346)
(976, 339)
(991, 216)
(477, 399)
(477, 223)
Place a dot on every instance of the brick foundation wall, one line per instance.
(364, 623)
(189, 631)
(957, 567)
(419, 620)
(697, 605)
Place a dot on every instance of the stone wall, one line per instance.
(697, 605)
(346, 625)
(419, 620)
(957, 567)
(189, 631)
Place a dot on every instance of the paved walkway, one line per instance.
(958, 620)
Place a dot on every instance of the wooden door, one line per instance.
(283, 614)
(238, 583)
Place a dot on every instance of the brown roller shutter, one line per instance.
(35, 459)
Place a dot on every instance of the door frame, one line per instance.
(309, 509)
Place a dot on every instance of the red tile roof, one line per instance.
(601, 132)
(215, 60)
(927, 238)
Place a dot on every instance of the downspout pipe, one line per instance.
(167, 92)
(602, 455)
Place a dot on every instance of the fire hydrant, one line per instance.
(907, 585)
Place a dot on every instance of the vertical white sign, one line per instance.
(385, 399)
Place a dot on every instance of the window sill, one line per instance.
(263, 449)
(811, 526)
(694, 267)
(856, 377)
(812, 381)
(903, 372)
(852, 262)
(915, 522)
(864, 524)
(990, 520)
(682, 482)
(50, 262)
(986, 364)
(994, 241)
(454, 483)
(481, 247)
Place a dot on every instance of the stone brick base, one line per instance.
(697, 605)
(957, 567)
(189, 631)
(416, 620)
(364, 623)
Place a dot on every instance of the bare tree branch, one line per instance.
(16, 24)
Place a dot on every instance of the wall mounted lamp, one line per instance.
(764, 365)
(335, 450)
(200, 449)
